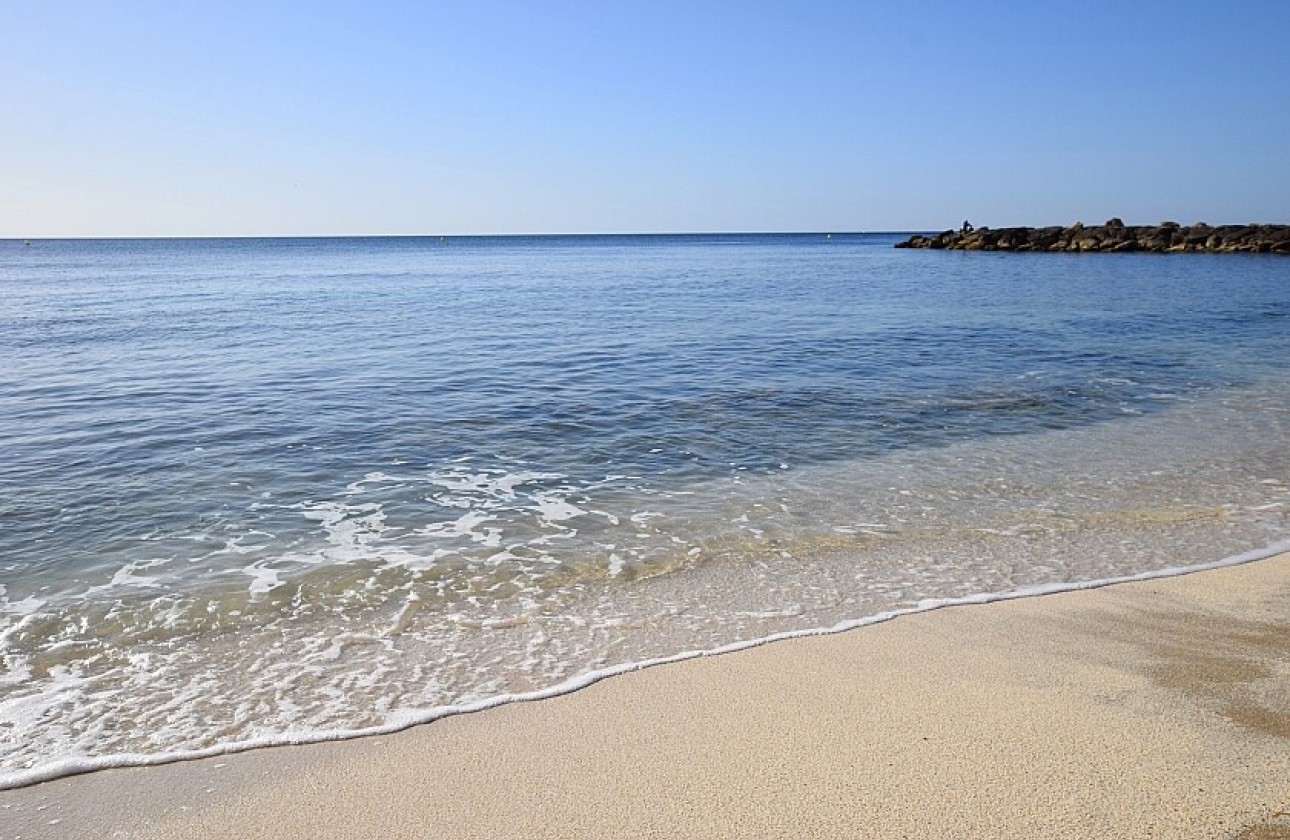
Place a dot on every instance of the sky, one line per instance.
(177, 118)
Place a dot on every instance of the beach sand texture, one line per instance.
(1153, 709)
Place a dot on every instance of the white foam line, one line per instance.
(407, 720)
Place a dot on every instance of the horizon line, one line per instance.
(100, 237)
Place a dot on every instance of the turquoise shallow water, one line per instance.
(254, 490)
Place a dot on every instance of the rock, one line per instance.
(1114, 237)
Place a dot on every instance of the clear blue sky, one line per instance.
(175, 118)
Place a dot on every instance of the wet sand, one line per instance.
(1151, 709)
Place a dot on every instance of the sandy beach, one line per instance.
(1150, 709)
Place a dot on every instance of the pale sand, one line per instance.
(1153, 709)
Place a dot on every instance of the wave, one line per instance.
(407, 719)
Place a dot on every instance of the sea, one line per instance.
(271, 491)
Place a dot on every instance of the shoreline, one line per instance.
(69, 768)
(1059, 649)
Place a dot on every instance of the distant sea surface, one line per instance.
(259, 491)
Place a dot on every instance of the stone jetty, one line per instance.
(1114, 237)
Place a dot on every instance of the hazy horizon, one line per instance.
(569, 234)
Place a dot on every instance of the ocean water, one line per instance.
(267, 491)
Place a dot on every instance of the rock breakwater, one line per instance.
(1114, 237)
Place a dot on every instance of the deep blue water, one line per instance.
(182, 418)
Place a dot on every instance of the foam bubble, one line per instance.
(263, 579)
